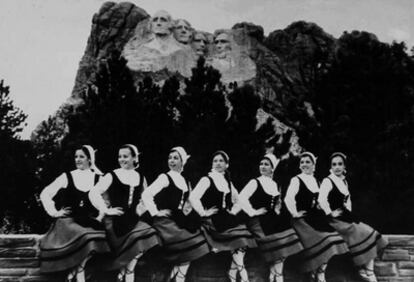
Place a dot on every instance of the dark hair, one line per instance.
(306, 154)
(223, 154)
(86, 151)
(129, 148)
(269, 160)
(175, 151)
(338, 154)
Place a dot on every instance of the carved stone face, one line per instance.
(222, 43)
(200, 43)
(161, 23)
(183, 31)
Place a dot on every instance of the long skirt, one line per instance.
(320, 240)
(278, 243)
(363, 241)
(67, 244)
(231, 239)
(126, 243)
(180, 245)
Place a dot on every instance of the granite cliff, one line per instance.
(281, 66)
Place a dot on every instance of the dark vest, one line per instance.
(213, 197)
(171, 197)
(75, 199)
(126, 197)
(222, 220)
(335, 198)
(260, 199)
(305, 199)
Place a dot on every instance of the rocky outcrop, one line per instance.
(282, 67)
(112, 27)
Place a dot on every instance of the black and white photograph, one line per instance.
(207, 140)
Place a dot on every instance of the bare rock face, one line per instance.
(281, 66)
(112, 27)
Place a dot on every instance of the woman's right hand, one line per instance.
(62, 213)
(210, 212)
(163, 213)
(336, 213)
(300, 214)
(114, 211)
(260, 211)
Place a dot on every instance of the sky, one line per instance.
(42, 41)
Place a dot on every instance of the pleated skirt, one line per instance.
(179, 245)
(319, 245)
(363, 241)
(68, 243)
(229, 240)
(278, 245)
(127, 245)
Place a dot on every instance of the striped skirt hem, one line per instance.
(229, 240)
(275, 246)
(67, 244)
(363, 241)
(180, 245)
(124, 248)
(319, 247)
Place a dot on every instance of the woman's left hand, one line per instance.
(336, 213)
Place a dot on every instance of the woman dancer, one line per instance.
(363, 241)
(166, 200)
(129, 237)
(76, 233)
(269, 223)
(214, 198)
(321, 242)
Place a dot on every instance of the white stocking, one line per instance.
(276, 271)
(127, 273)
(320, 273)
(179, 272)
(237, 266)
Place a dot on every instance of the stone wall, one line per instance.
(19, 262)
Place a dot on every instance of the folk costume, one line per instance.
(224, 230)
(128, 235)
(179, 226)
(320, 241)
(74, 237)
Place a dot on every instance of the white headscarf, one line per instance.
(134, 149)
(91, 152)
(273, 160)
(310, 155)
(183, 154)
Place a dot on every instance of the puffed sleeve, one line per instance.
(46, 196)
(290, 199)
(245, 195)
(196, 195)
(95, 194)
(324, 191)
(151, 191)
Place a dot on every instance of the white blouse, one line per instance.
(222, 185)
(158, 185)
(83, 180)
(293, 189)
(326, 188)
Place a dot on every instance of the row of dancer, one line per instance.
(108, 215)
